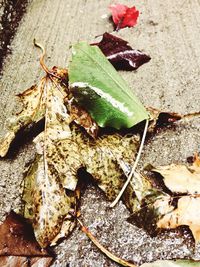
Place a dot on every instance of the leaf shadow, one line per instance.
(24, 137)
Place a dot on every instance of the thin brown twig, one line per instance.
(191, 115)
(85, 230)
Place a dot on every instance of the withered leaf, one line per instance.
(47, 204)
(175, 201)
(181, 178)
(185, 181)
(33, 107)
(18, 246)
(120, 54)
(60, 152)
(160, 119)
(186, 213)
(82, 118)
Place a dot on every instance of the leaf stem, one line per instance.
(85, 230)
(191, 115)
(134, 166)
(42, 56)
(45, 68)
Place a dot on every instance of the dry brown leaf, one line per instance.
(18, 246)
(159, 119)
(33, 107)
(180, 178)
(184, 182)
(46, 203)
(82, 118)
(186, 213)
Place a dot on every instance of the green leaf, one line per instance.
(97, 87)
(171, 263)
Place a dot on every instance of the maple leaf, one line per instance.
(124, 16)
(121, 55)
(18, 246)
(61, 151)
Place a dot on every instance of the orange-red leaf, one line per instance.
(124, 16)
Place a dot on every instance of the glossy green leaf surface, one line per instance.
(99, 88)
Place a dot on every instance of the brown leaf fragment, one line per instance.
(186, 213)
(15, 230)
(83, 118)
(18, 246)
(159, 119)
(183, 185)
(181, 178)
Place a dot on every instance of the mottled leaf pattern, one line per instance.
(46, 203)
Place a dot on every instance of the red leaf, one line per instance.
(121, 55)
(124, 16)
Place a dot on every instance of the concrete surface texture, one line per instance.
(169, 32)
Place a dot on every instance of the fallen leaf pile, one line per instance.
(89, 115)
(63, 148)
